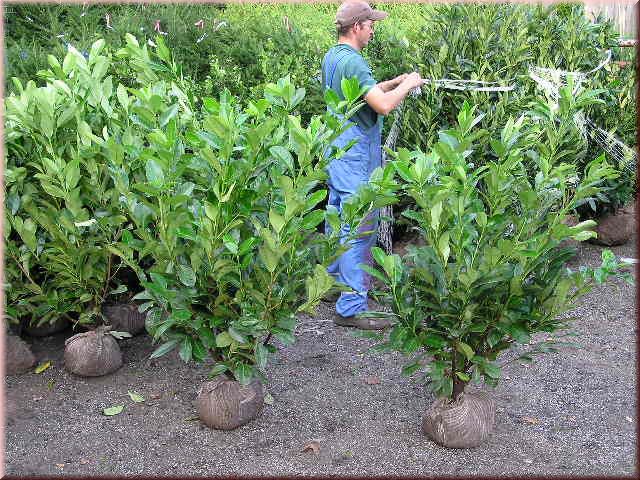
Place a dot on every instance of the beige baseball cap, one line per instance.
(354, 11)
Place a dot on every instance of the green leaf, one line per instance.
(276, 220)
(111, 411)
(312, 220)
(465, 349)
(518, 333)
(243, 374)
(481, 218)
(373, 272)
(463, 376)
(378, 255)
(491, 370)
(284, 156)
(136, 397)
(436, 213)
(237, 336)
(287, 338)
(168, 114)
(269, 257)
(230, 243)
(121, 289)
(123, 97)
(218, 369)
(223, 339)
(443, 247)
(185, 350)
(434, 341)
(409, 370)
(411, 345)
(42, 367)
(155, 175)
(261, 355)
(186, 275)
(164, 348)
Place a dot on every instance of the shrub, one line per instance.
(223, 203)
(492, 271)
(62, 214)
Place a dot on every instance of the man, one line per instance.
(354, 21)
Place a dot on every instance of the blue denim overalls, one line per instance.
(346, 174)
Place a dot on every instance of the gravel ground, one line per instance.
(570, 413)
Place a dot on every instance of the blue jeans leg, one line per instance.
(345, 269)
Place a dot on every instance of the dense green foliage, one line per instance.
(492, 271)
(112, 165)
(243, 47)
(194, 178)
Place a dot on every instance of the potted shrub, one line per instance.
(491, 273)
(226, 210)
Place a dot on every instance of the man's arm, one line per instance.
(383, 102)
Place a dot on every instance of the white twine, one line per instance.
(550, 80)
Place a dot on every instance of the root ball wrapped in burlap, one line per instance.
(225, 404)
(615, 229)
(92, 354)
(124, 318)
(18, 355)
(464, 423)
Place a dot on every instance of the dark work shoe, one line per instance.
(331, 297)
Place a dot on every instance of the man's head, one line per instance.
(355, 18)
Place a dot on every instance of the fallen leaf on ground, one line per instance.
(312, 446)
(192, 418)
(268, 399)
(113, 410)
(155, 396)
(628, 419)
(84, 461)
(530, 420)
(60, 465)
(42, 367)
(50, 384)
(136, 397)
(372, 381)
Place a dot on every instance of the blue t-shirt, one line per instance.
(344, 61)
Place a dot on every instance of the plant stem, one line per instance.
(458, 387)
(458, 384)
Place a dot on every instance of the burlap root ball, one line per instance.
(92, 354)
(465, 423)
(18, 356)
(225, 404)
(615, 229)
(124, 318)
(48, 328)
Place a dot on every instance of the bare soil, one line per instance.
(570, 413)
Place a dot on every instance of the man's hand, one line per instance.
(399, 79)
(412, 80)
(383, 101)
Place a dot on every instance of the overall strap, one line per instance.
(333, 69)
